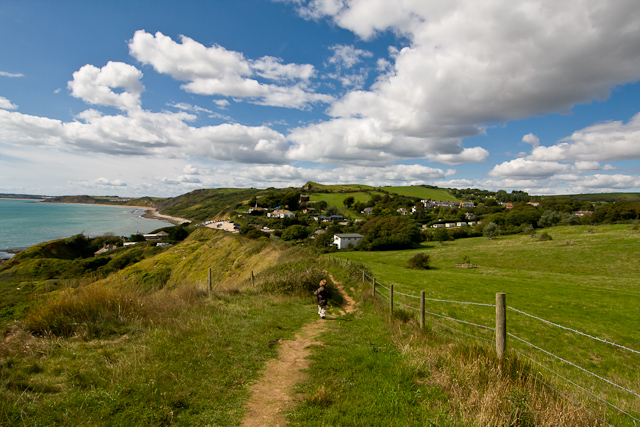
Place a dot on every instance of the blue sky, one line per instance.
(161, 97)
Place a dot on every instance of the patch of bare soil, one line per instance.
(274, 392)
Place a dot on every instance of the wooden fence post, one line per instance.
(421, 309)
(374, 288)
(253, 280)
(501, 324)
(210, 285)
(391, 299)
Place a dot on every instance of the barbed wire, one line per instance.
(574, 384)
(575, 366)
(573, 330)
(406, 306)
(405, 295)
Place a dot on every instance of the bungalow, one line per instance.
(343, 241)
(104, 249)
(461, 224)
(155, 237)
(437, 226)
(330, 218)
(280, 213)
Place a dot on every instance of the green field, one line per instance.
(586, 279)
(423, 193)
(337, 199)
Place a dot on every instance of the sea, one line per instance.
(24, 223)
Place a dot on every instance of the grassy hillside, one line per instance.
(585, 278)
(149, 345)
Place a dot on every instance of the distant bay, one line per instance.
(24, 223)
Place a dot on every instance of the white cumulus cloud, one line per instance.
(95, 85)
(601, 142)
(5, 104)
(215, 70)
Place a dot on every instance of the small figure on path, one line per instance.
(322, 295)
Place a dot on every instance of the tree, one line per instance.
(441, 235)
(332, 210)
(392, 232)
(348, 202)
(491, 230)
(295, 232)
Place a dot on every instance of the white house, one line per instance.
(279, 213)
(343, 241)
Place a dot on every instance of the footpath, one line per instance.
(273, 394)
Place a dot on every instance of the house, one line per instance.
(343, 241)
(403, 211)
(331, 218)
(368, 211)
(304, 198)
(469, 215)
(104, 249)
(461, 224)
(534, 204)
(467, 205)
(155, 237)
(583, 213)
(280, 213)
(450, 225)
(437, 226)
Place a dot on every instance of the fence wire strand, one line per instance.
(575, 366)
(574, 331)
(574, 384)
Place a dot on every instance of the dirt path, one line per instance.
(273, 393)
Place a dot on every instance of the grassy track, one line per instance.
(588, 280)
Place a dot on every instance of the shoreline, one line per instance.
(150, 213)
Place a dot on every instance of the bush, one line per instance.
(419, 261)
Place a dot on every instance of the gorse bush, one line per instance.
(419, 261)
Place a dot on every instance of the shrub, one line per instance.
(544, 237)
(419, 261)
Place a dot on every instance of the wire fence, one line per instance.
(452, 326)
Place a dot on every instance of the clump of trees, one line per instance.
(389, 233)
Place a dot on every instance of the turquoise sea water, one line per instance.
(24, 223)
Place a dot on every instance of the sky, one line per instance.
(159, 98)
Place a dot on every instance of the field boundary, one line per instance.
(403, 301)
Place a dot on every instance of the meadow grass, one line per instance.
(585, 278)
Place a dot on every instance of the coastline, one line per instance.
(151, 213)
(144, 212)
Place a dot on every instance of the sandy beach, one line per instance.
(153, 213)
(150, 213)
